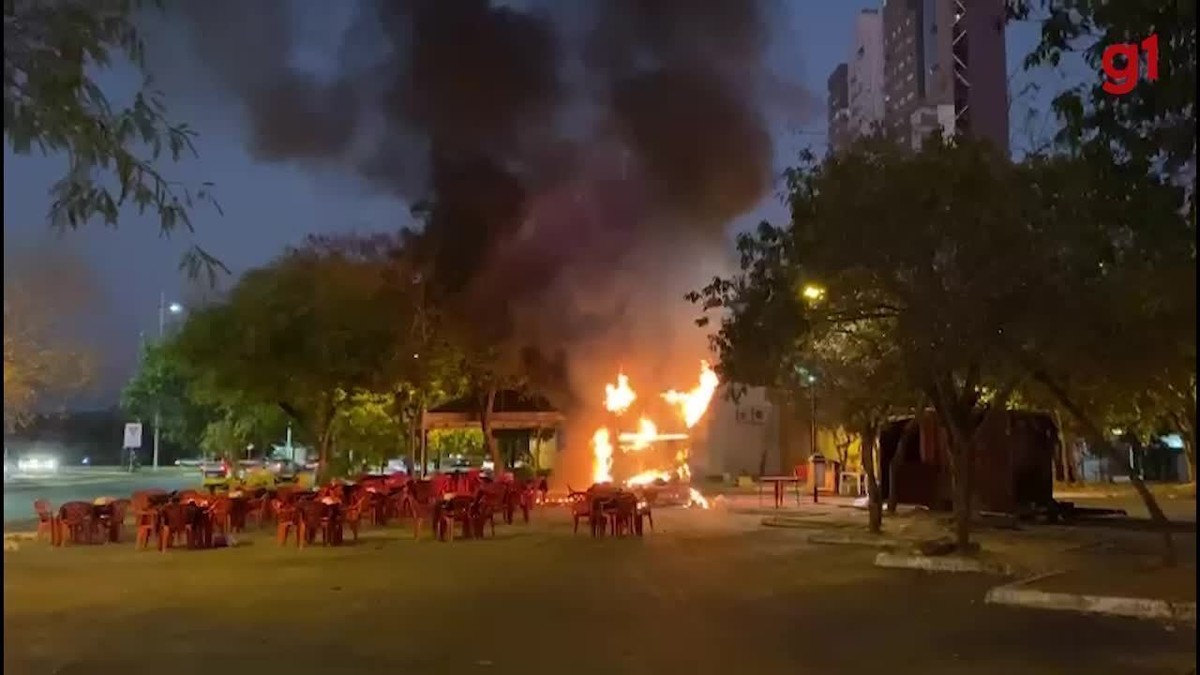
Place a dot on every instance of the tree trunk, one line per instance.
(894, 464)
(954, 415)
(1066, 451)
(874, 505)
(1187, 432)
(324, 447)
(1097, 438)
(960, 467)
(489, 440)
(1189, 451)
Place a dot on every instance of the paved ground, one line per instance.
(709, 592)
(87, 484)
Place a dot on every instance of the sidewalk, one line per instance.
(1093, 568)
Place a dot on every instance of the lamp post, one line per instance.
(812, 397)
(813, 295)
(163, 310)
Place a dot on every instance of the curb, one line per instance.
(1109, 605)
(941, 564)
(853, 540)
(799, 523)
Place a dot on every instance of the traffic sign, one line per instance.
(133, 435)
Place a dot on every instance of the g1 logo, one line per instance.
(1122, 65)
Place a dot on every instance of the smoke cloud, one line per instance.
(581, 160)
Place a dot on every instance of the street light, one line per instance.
(810, 379)
(163, 310)
(813, 293)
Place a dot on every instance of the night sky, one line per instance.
(268, 206)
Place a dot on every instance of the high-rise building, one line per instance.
(839, 108)
(866, 74)
(944, 69)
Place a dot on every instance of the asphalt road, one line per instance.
(86, 484)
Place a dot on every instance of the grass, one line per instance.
(708, 592)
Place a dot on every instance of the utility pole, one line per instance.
(812, 396)
(163, 310)
(162, 325)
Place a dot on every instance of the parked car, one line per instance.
(215, 472)
(285, 470)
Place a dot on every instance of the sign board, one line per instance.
(133, 435)
(751, 415)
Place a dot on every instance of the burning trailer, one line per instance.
(642, 459)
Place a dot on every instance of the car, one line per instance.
(190, 463)
(215, 472)
(37, 464)
(285, 470)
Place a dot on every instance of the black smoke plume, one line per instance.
(578, 158)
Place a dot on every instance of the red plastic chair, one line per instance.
(75, 523)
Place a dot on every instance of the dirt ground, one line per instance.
(707, 592)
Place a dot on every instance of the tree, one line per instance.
(369, 427)
(922, 246)
(1155, 123)
(918, 247)
(53, 103)
(1116, 263)
(866, 386)
(320, 320)
(44, 292)
(764, 325)
(161, 386)
(774, 330)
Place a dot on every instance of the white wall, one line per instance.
(735, 436)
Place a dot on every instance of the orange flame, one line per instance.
(648, 477)
(640, 440)
(618, 397)
(694, 403)
(602, 454)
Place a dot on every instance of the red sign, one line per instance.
(1122, 65)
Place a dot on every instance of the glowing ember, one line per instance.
(694, 403)
(602, 454)
(618, 397)
(696, 499)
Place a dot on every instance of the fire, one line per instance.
(648, 477)
(618, 399)
(694, 403)
(646, 433)
(602, 453)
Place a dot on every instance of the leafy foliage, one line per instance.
(322, 320)
(1153, 124)
(53, 104)
(367, 428)
(43, 293)
(954, 276)
(161, 385)
(1119, 281)
(447, 442)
